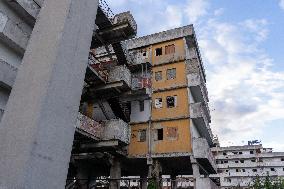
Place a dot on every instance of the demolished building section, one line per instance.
(143, 102)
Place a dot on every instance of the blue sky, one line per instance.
(242, 45)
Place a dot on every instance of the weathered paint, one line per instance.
(181, 110)
(181, 143)
(166, 58)
(180, 79)
(135, 147)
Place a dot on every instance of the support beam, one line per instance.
(115, 173)
(173, 182)
(37, 129)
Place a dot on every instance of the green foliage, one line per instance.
(268, 183)
(152, 184)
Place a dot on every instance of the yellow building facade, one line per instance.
(169, 127)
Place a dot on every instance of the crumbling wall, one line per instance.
(120, 73)
(116, 129)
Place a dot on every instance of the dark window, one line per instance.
(272, 169)
(235, 152)
(171, 73)
(236, 161)
(224, 153)
(225, 161)
(253, 160)
(254, 170)
(142, 135)
(260, 160)
(282, 159)
(170, 49)
(227, 171)
(237, 170)
(159, 51)
(141, 105)
(242, 161)
(160, 134)
(251, 152)
(244, 170)
(240, 152)
(171, 101)
(158, 76)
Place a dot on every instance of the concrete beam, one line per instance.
(115, 174)
(7, 74)
(12, 34)
(37, 129)
(28, 9)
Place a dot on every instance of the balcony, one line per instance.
(203, 154)
(197, 86)
(200, 116)
(107, 130)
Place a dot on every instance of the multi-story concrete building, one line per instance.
(142, 102)
(238, 166)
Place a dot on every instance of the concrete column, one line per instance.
(173, 182)
(82, 177)
(115, 173)
(195, 170)
(37, 129)
(143, 181)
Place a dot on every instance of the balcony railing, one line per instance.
(114, 129)
(200, 117)
(201, 150)
(197, 84)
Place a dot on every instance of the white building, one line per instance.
(238, 166)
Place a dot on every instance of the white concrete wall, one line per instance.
(194, 131)
(137, 115)
(4, 95)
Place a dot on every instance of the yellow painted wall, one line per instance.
(164, 83)
(181, 144)
(179, 50)
(135, 147)
(182, 108)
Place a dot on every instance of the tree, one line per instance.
(268, 183)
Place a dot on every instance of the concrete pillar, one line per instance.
(143, 181)
(115, 173)
(173, 182)
(155, 172)
(195, 170)
(37, 129)
(82, 177)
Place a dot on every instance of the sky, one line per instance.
(242, 47)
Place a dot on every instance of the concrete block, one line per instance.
(7, 74)
(12, 34)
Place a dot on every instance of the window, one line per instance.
(235, 152)
(141, 105)
(282, 159)
(254, 170)
(158, 103)
(236, 161)
(158, 76)
(170, 49)
(225, 161)
(253, 160)
(260, 160)
(251, 152)
(244, 170)
(240, 152)
(242, 161)
(159, 51)
(145, 54)
(272, 169)
(160, 134)
(227, 171)
(224, 153)
(172, 132)
(237, 170)
(171, 101)
(171, 74)
(142, 135)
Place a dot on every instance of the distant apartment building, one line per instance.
(238, 166)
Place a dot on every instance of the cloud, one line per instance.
(281, 4)
(244, 93)
(195, 9)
